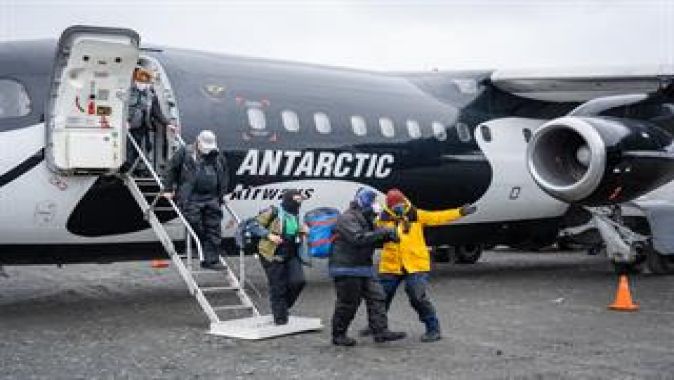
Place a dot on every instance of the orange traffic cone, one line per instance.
(623, 298)
(159, 264)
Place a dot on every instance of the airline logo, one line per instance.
(312, 164)
(243, 193)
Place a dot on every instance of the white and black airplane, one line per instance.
(527, 147)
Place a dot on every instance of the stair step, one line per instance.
(195, 257)
(219, 289)
(144, 179)
(221, 284)
(232, 307)
(219, 272)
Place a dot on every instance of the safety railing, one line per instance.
(237, 219)
(190, 235)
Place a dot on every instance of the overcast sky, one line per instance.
(381, 35)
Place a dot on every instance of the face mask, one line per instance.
(398, 210)
(204, 152)
(369, 213)
(142, 86)
(290, 204)
(211, 155)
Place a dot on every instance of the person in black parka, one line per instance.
(351, 266)
(198, 177)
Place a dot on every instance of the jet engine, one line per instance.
(596, 160)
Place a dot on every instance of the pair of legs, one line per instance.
(142, 137)
(350, 291)
(416, 287)
(286, 281)
(205, 217)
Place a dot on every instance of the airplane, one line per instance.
(527, 147)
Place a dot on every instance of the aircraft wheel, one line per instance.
(658, 263)
(564, 244)
(635, 267)
(628, 268)
(468, 254)
(442, 254)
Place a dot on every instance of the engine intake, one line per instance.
(599, 160)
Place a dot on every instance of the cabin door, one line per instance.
(86, 111)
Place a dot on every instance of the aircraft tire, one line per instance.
(443, 254)
(468, 254)
(636, 267)
(658, 263)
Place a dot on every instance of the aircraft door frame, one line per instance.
(86, 109)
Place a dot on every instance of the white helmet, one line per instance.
(207, 142)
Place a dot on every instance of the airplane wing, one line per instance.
(582, 84)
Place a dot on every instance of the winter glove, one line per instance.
(467, 209)
(393, 236)
(389, 235)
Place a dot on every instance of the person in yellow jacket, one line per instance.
(409, 259)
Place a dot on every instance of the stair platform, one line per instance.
(263, 327)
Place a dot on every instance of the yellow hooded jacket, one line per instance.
(411, 253)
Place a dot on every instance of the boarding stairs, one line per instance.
(213, 289)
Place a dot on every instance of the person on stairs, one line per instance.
(198, 177)
(144, 115)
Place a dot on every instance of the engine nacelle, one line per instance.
(600, 160)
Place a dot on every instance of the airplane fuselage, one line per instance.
(444, 139)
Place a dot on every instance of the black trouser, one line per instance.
(416, 285)
(205, 217)
(142, 137)
(350, 291)
(286, 281)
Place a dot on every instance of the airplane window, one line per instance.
(527, 134)
(322, 123)
(14, 100)
(290, 121)
(413, 129)
(486, 133)
(463, 132)
(439, 131)
(359, 126)
(387, 127)
(256, 119)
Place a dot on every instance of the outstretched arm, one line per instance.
(172, 173)
(350, 230)
(437, 218)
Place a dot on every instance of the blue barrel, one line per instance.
(321, 222)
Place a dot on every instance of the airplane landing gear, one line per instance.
(624, 247)
(460, 254)
(658, 263)
(468, 254)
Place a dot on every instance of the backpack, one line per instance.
(321, 222)
(245, 238)
(139, 106)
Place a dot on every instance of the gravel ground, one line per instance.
(513, 315)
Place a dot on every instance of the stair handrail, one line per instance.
(173, 205)
(237, 219)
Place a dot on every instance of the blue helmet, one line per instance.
(365, 197)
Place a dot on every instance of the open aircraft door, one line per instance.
(86, 110)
